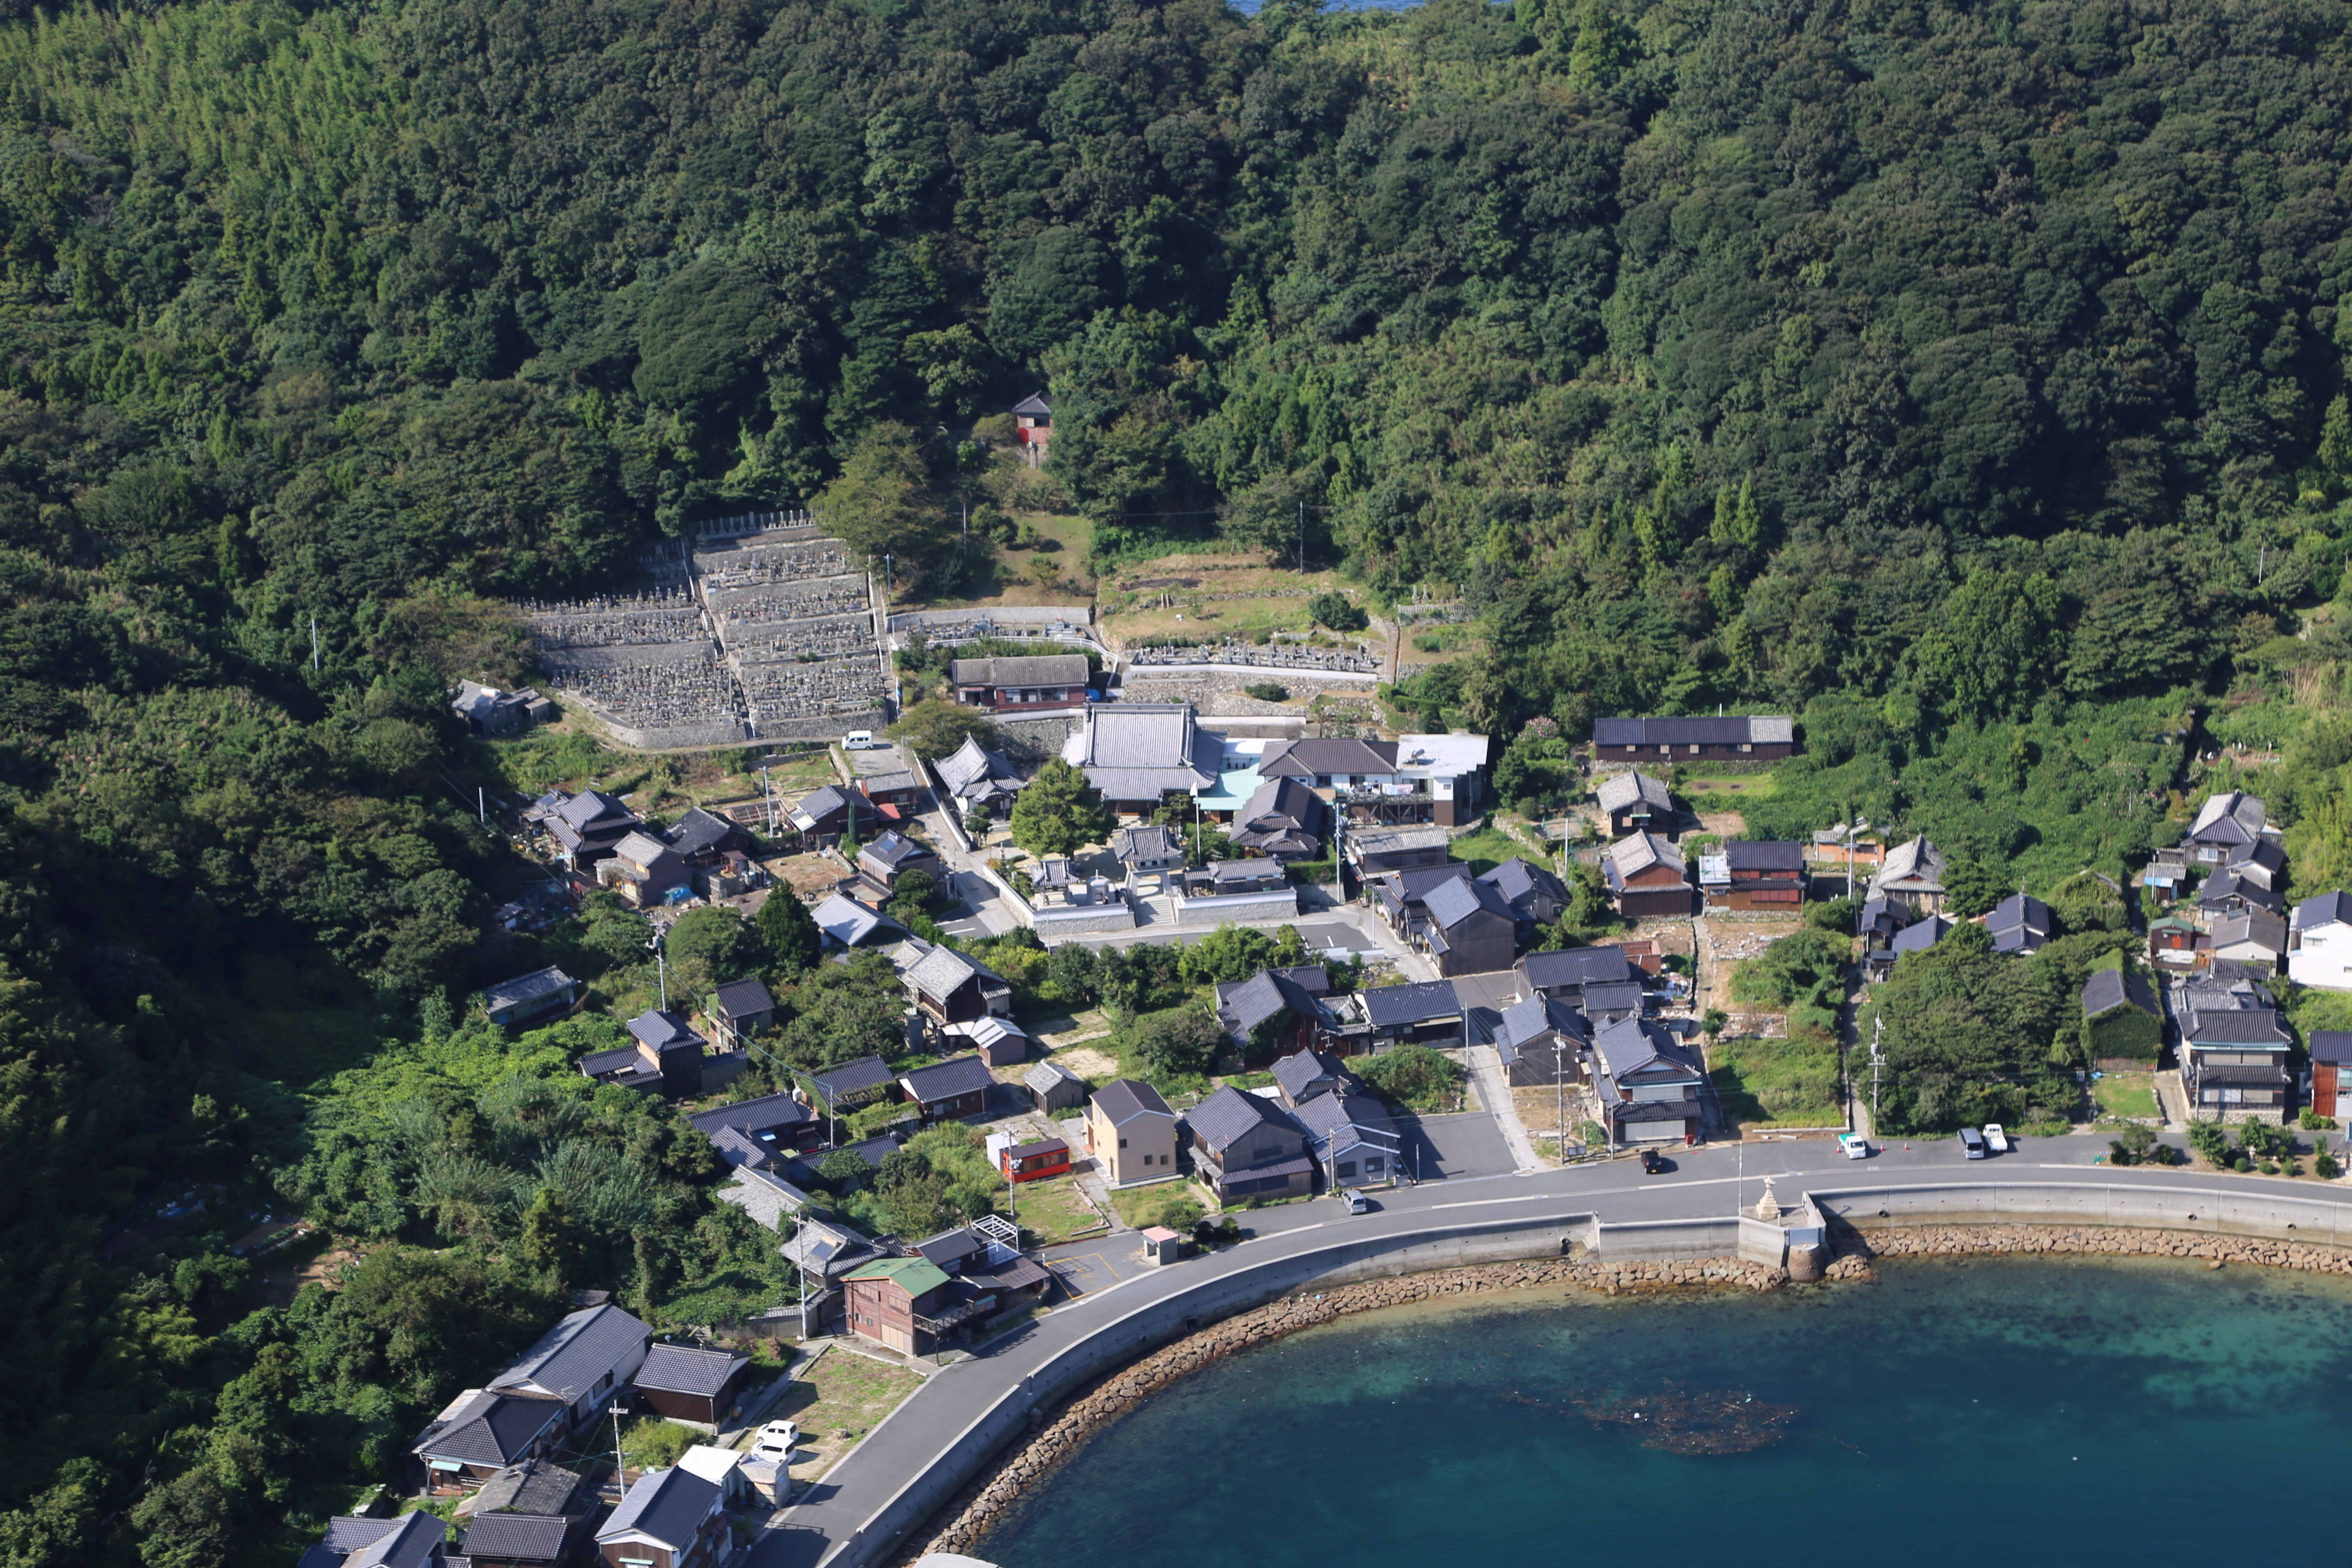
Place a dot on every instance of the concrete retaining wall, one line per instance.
(1242, 909)
(2213, 1211)
(1149, 1326)
(1673, 1240)
(1054, 924)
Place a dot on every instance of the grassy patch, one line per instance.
(1489, 848)
(1778, 1083)
(1211, 595)
(1724, 792)
(1176, 1205)
(841, 1399)
(1052, 1210)
(2126, 1094)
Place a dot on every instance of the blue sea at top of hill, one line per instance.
(2001, 1410)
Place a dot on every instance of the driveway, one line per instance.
(1468, 1143)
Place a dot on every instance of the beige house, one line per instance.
(1131, 1133)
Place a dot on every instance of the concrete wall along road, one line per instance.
(1674, 1240)
(1153, 1323)
(1242, 909)
(2214, 1211)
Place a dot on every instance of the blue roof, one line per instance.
(1232, 790)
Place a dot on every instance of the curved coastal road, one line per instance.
(1710, 1182)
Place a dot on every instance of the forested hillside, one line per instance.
(1966, 379)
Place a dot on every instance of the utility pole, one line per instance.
(482, 805)
(620, 1465)
(661, 967)
(314, 645)
(1302, 539)
(1877, 1059)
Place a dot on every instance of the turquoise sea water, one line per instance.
(2014, 1411)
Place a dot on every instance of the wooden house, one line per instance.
(1646, 877)
(1034, 1162)
(1471, 929)
(644, 870)
(669, 1519)
(1912, 876)
(1054, 1088)
(1749, 874)
(528, 998)
(1748, 738)
(1019, 684)
(949, 1091)
(691, 1384)
(1537, 897)
(1247, 1146)
(1634, 802)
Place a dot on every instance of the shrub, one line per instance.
(1414, 1075)
(2212, 1139)
(1337, 612)
(1267, 691)
(2313, 1121)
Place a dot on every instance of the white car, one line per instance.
(858, 741)
(776, 1441)
(1855, 1145)
(1995, 1138)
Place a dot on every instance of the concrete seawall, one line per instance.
(2216, 1211)
(1981, 1216)
(1132, 1334)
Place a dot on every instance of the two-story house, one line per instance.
(581, 1363)
(2229, 822)
(892, 855)
(946, 988)
(1647, 1083)
(1403, 896)
(1471, 928)
(669, 1519)
(1537, 897)
(1753, 874)
(1283, 819)
(1353, 1141)
(2319, 945)
(1565, 972)
(1646, 877)
(1131, 1133)
(824, 814)
(2020, 923)
(644, 870)
(1912, 876)
(1275, 1011)
(587, 825)
(1540, 1041)
(1247, 1146)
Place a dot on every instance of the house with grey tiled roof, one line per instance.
(949, 1091)
(481, 1432)
(581, 1363)
(410, 1541)
(1136, 752)
(670, 1519)
(528, 998)
(692, 1385)
(1540, 1041)
(1247, 1146)
(1635, 802)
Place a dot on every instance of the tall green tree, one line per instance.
(1059, 813)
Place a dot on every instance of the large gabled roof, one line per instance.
(1449, 903)
(482, 1426)
(973, 769)
(1518, 879)
(1388, 1006)
(1229, 1115)
(1637, 852)
(1531, 1017)
(568, 1360)
(1916, 866)
(699, 832)
(947, 1079)
(912, 1274)
(1322, 759)
(1132, 749)
(742, 998)
(1123, 1099)
(516, 1536)
(1576, 966)
(689, 1369)
(1021, 669)
(941, 972)
(668, 1506)
(2327, 909)
(2232, 817)
(2111, 988)
(1620, 791)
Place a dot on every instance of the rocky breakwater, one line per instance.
(1058, 1434)
(1856, 1248)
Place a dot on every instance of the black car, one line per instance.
(1652, 1162)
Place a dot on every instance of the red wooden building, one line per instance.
(1036, 1162)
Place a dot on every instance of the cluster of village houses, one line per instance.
(1586, 1019)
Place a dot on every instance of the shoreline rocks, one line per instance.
(1058, 1434)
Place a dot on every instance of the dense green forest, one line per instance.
(1968, 379)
